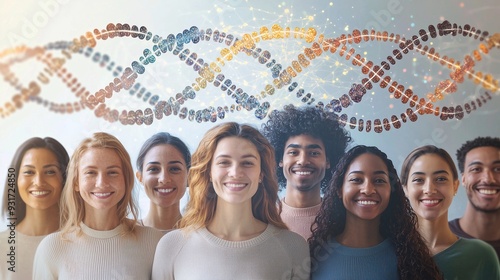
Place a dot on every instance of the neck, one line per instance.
(360, 233)
(235, 222)
(39, 222)
(481, 225)
(162, 218)
(436, 233)
(101, 219)
(299, 199)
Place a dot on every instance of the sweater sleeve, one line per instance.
(167, 249)
(44, 262)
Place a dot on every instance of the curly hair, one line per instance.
(293, 121)
(202, 204)
(472, 144)
(397, 222)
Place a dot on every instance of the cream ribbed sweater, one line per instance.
(274, 254)
(97, 255)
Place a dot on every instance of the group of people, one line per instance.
(344, 214)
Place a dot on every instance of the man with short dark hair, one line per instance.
(479, 163)
(308, 143)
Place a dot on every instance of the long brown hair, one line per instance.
(203, 199)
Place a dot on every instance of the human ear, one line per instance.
(138, 175)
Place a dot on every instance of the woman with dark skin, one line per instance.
(366, 218)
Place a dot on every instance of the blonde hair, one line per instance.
(203, 199)
(73, 206)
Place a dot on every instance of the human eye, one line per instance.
(292, 152)
(441, 179)
(28, 172)
(152, 169)
(248, 163)
(223, 163)
(114, 172)
(380, 181)
(417, 180)
(175, 169)
(496, 169)
(315, 153)
(475, 169)
(355, 180)
(51, 172)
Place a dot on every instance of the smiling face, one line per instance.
(164, 175)
(40, 179)
(101, 181)
(481, 178)
(366, 188)
(304, 163)
(235, 171)
(431, 187)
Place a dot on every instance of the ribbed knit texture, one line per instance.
(274, 254)
(24, 250)
(299, 220)
(97, 255)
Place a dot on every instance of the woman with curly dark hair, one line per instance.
(308, 143)
(366, 228)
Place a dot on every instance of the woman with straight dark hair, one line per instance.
(366, 228)
(162, 167)
(31, 203)
(430, 180)
(232, 228)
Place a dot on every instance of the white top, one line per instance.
(274, 254)
(17, 253)
(97, 254)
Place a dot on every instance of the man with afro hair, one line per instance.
(308, 143)
(479, 163)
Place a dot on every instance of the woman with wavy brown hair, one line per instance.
(366, 228)
(98, 240)
(232, 228)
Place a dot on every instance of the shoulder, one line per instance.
(174, 237)
(289, 240)
(476, 246)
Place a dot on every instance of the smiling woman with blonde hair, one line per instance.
(232, 228)
(98, 240)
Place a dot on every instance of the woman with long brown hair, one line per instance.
(232, 228)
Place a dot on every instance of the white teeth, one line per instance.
(102, 194)
(38, 193)
(487, 191)
(235, 185)
(165, 190)
(367, 202)
(303, 172)
(427, 201)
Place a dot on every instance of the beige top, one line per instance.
(17, 254)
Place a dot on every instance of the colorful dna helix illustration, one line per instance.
(55, 55)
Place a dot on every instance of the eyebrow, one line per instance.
(310, 146)
(433, 173)
(481, 163)
(45, 166)
(170, 162)
(108, 167)
(362, 172)
(228, 156)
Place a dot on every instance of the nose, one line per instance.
(164, 177)
(234, 171)
(429, 188)
(367, 188)
(487, 176)
(102, 181)
(38, 179)
(303, 159)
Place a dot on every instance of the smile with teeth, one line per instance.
(234, 186)
(430, 201)
(302, 172)
(488, 191)
(367, 202)
(164, 190)
(39, 193)
(100, 195)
